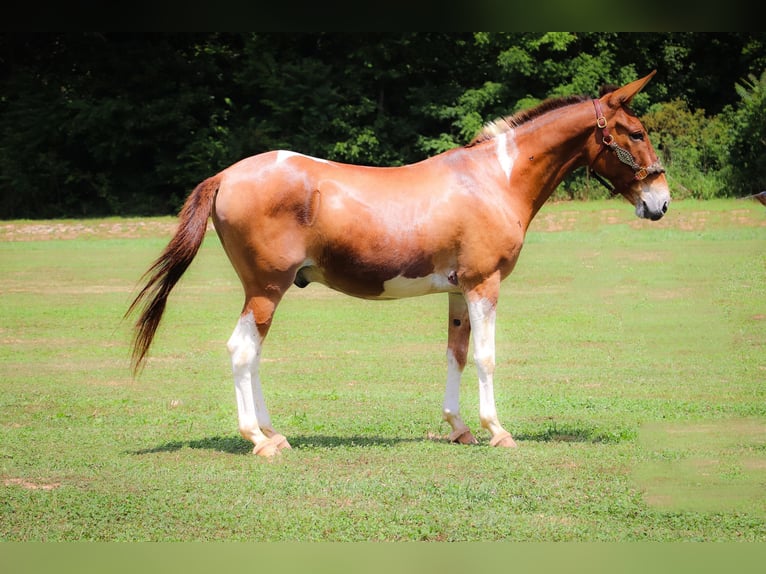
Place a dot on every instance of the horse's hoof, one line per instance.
(271, 446)
(503, 439)
(266, 449)
(281, 442)
(463, 437)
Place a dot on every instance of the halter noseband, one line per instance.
(622, 154)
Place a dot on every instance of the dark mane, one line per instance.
(507, 123)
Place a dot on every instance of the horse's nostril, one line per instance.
(665, 207)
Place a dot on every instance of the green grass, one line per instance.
(630, 370)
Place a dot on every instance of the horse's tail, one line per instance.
(165, 272)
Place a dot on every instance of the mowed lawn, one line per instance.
(631, 369)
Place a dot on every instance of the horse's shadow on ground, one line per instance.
(234, 444)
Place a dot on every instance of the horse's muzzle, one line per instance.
(652, 205)
(643, 210)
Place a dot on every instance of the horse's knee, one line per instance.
(485, 363)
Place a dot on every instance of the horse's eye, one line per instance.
(637, 136)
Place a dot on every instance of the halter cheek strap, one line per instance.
(622, 154)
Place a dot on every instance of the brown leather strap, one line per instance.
(606, 137)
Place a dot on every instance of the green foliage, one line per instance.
(692, 147)
(466, 117)
(747, 152)
(127, 123)
(116, 124)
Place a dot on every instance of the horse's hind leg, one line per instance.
(245, 349)
(459, 331)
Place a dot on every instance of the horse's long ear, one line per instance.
(622, 96)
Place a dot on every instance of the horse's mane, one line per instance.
(507, 123)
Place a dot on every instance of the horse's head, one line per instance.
(624, 155)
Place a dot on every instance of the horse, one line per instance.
(453, 223)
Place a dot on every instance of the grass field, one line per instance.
(630, 369)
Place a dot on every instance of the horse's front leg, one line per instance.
(458, 333)
(482, 308)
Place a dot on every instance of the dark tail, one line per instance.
(170, 266)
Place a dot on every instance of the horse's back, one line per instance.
(281, 171)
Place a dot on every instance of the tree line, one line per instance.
(98, 124)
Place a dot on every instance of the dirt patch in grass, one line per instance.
(79, 229)
(561, 216)
(31, 485)
(701, 219)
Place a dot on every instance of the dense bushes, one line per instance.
(719, 156)
(97, 123)
(746, 122)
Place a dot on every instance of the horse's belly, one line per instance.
(397, 287)
(400, 286)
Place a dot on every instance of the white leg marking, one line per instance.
(482, 313)
(245, 349)
(451, 405)
(261, 412)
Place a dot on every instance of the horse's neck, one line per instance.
(549, 148)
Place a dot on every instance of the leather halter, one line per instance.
(622, 154)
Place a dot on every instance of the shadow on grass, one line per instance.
(230, 444)
(567, 433)
(234, 444)
(237, 445)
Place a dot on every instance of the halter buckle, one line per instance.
(601, 122)
(641, 173)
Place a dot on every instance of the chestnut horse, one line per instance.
(453, 223)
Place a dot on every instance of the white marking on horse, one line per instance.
(506, 157)
(482, 313)
(245, 349)
(284, 155)
(400, 286)
(451, 405)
